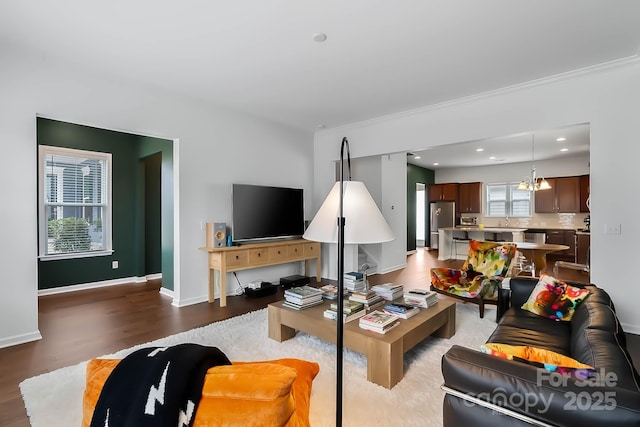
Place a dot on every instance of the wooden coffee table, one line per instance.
(384, 352)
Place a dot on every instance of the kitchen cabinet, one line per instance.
(470, 197)
(585, 190)
(563, 197)
(583, 242)
(443, 192)
(562, 237)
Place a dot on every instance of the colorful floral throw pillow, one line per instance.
(554, 299)
(549, 360)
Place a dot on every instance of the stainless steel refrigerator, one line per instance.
(442, 214)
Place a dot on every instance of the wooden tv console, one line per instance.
(244, 257)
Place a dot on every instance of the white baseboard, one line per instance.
(101, 284)
(189, 301)
(199, 299)
(20, 339)
(390, 269)
(166, 292)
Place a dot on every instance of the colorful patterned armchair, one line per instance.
(486, 265)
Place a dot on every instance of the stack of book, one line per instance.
(401, 310)
(388, 291)
(329, 291)
(420, 298)
(353, 281)
(378, 321)
(370, 299)
(301, 297)
(350, 310)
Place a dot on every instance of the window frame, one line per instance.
(510, 187)
(107, 220)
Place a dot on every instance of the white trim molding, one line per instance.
(20, 339)
(101, 284)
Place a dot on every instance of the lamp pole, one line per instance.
(366, 225)
(340, 319)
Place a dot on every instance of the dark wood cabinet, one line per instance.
(585, 190)
(562, 237)
(545, 200)
(443, 192)
(470, 197)
(583, 242)
(563, 197)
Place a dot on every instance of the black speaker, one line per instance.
(219, 234)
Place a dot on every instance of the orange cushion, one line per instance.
(550, 359)
(274, 392)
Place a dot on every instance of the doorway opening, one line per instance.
(420, 214)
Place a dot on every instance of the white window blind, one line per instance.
(75, 202)
(504, 199)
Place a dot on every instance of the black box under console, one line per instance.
(265, 289)
(294, 281)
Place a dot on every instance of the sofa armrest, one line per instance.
(534, 392)
(521, 288)
(504, 300)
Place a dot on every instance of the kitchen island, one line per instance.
(453, 242)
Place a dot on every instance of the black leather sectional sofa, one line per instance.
(485, 390)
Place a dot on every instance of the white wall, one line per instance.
(216, 148)
(608, 98)
(383, 176)
(394, 209)
(513, 172)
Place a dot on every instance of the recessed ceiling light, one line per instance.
(564, 149)
(479, 149)
(319, 37)
(417, 157)
(436, 164)
(492, 158)
(562, 138)
(320, 126)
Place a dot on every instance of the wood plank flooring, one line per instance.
(80, 325)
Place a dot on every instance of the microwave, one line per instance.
(468, 220)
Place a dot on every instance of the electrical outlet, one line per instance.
(114, 264)
(612, 228)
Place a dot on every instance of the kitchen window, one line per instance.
(74, 203)
(505, 200)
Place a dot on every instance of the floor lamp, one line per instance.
(348, 215)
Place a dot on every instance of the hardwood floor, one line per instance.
(77, 326)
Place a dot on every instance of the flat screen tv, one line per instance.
(264, 213)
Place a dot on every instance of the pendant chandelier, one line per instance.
(532, 183)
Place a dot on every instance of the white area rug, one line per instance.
(55, 398)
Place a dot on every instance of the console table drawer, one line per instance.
(258, 256)
(238, 259)
(311, 249)
(295, 251)
(278, 253)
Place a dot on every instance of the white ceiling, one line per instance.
(523, 147)
(380, 57)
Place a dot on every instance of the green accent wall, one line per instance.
(415, 175)
(142, 170)
(151, 148)
(152, 224)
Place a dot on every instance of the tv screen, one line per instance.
(261, 212)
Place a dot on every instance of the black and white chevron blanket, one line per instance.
(156, 386)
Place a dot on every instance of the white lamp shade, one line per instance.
(363, 220)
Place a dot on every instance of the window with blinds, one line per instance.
(505, 199)
(74, 202)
